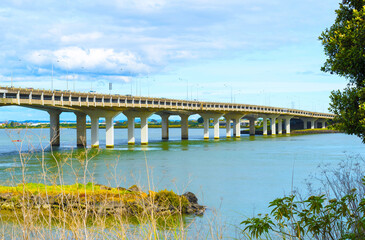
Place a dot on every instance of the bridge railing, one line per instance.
(26, 96)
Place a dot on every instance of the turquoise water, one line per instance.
(236, 177)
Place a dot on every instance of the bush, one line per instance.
(335, 211)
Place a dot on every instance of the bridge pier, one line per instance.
(252, 126)
(184, 126)
(207, 118)
(305, 123)
(273, 123)
(313, 123)
(237, 126)
(287, 124)
(264, 125)
(94, 131)
(216, 126)
(144, 127)
(206, 127)
(81, 129)
(109, 128)
(228, 127)
(280, 125)
(131, 122)
(54, 127)
(323, 123)
(165, 125)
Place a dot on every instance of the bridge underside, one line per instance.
(98, 106)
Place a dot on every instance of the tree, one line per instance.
(344, 45)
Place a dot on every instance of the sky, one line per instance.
(243, 51)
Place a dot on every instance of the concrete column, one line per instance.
(109, 127)
(206, 127)
(237, 127)
(216, 126)
(94, 131)
(252, 126)
(264, 126)
(81, 129)
(54, 127)
(165, 126)
(305, 123)
(234, 127)
(280, 125)
(324, 124)
(287, 125)
(131, 138)
(228, 128)
(144, 128)
(313, 123)
(184, 126)
(273, 125)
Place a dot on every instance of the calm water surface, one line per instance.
(235, 177)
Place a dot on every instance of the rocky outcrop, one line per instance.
(104, 200)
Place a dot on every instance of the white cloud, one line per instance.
(94, 60)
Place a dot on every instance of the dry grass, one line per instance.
(31, 217)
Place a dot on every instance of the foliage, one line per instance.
(316, 217)
(349, 108)
(334, 210)
(344, 45)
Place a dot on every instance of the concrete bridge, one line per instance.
(108, 106)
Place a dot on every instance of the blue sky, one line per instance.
(246, 51)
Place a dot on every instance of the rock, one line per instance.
(134, 188)
(121, 188)
(191, 197)
(103, 187)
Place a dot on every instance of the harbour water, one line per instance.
(232, 177)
